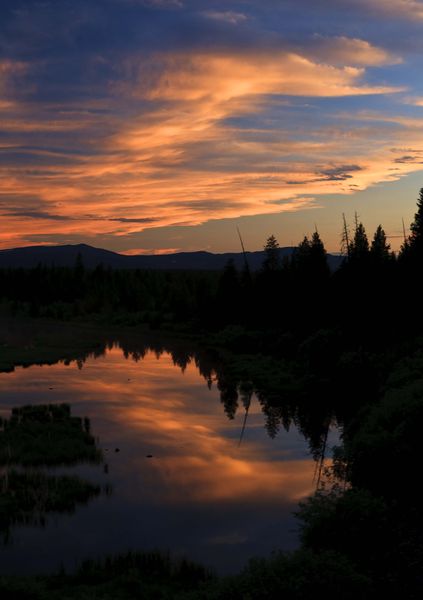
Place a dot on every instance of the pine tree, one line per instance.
(301, 257)
(359, 247)
(318, 256)
(271, 249)
(310, 258)
(416, 236)
(380, 249)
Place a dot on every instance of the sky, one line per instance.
(153, 126)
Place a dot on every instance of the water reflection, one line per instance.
(30, 439)
(28, 497)
(181, 478)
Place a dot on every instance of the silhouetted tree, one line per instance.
(359, 247)
(415, 240)
(318, 256)
(404, 253)
(271, 249)
(301, 257)
(380, 250)
(310, 258)
(345, 237)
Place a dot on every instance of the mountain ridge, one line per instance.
(67, 254)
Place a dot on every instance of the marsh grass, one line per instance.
(38, 436)
(141, 575)
(46, 434)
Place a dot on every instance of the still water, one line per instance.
(180, 478)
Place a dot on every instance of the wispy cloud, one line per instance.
(185, 112)
(36, 214)
(229, 16)
(144, 220)
(417, 101)
(342, 50)
(408, 9)
(222, 77)
(150, 251)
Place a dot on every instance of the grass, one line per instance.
(46, 434)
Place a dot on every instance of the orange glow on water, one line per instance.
(178, 475)
(195, 448)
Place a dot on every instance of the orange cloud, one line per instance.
(416, 101)
(183, 159)
(341, 50)
(410, 9)
(155, 251)
(222, 77)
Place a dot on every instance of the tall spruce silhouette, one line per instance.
(416, 227)
(318, 256)
(359, 247)
(271, 261)
(310, 258)
(380, 250)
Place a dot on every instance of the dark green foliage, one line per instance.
(355, 523)
(46, 434)
(298, 576)
(123, 297)
(378, 523)
(153, 567)
(148, 576)
(385, 451)
(136, 575)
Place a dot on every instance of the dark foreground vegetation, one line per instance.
(46, 434)
(314, 346)
(154, 576)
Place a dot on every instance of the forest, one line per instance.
(314, 345)
(371, 300)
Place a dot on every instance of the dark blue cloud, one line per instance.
(80, 124)
(36, 214)
(76, 48)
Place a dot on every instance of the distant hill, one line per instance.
(31, 256)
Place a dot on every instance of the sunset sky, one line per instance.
(162, 125)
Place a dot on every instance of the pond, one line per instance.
(177, 473)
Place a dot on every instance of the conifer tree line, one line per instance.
(371, 294)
